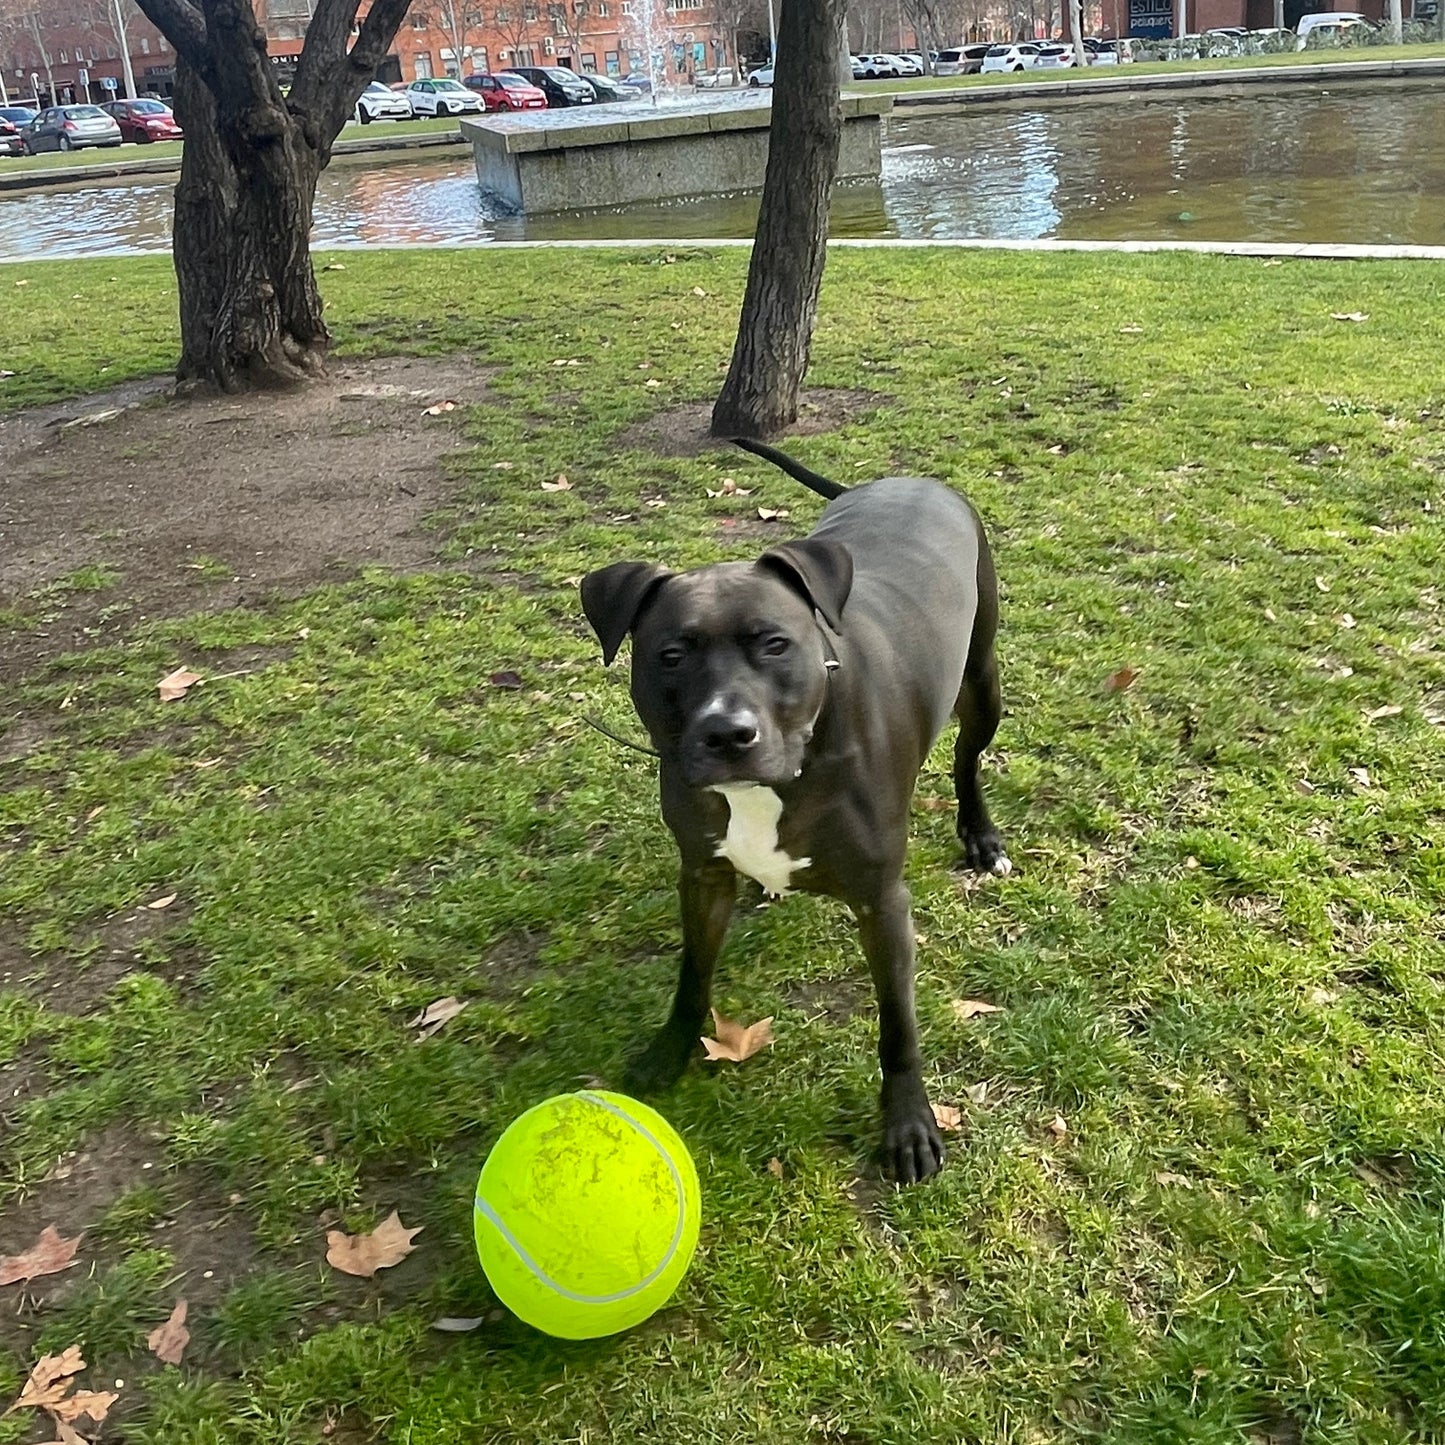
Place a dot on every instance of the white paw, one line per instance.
(1002, 867)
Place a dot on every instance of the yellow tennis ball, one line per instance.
(586, 1214)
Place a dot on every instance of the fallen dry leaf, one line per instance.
(508, 681)
(437, 408)
(1389, 710)
(560, 485)
(948, 1117)
(1323, 583)
(93, 1403)
(67, 1435)
(936, 804)
(976, 1093)
(1130, 330)
(967, 1008)
(774, 514)
(334, 266)
(435, 1015)
(1167, 1178)
(363, 1254)
(1361, 776)
(1058, 1128)
(157, 904)
(729, 488)
(735, 1042)
(775, 1168)
(567, 361)
(1319, 997)
(50, 1254)
(1349, 315)
(698, 291)
(457, 1324)
(175, 685)
(1347, 621)
(168, 1342)
(1124, 678)
(50, 1379)
(503, 466)
(1304, 787)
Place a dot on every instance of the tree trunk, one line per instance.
(250, 307)
(775, 331)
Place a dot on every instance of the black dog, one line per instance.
(792, 701)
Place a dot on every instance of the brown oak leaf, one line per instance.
(1119, 681)
(967, 1008)
(435, 1015)
(48, 1255)
(168, 1342)
(363, 1254)
(736, 1042)
(175, 685)
(50, 1379)
(93, 1403)
(948, 1117)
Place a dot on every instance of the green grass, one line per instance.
(1220, 961)
(1321, 56)
(171, 149)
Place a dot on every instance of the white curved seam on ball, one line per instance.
(542, 1277)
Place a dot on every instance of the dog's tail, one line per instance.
(796, 470)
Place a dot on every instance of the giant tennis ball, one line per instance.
(586, 1214)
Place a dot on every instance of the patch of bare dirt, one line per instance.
(683, 431)
(215, 502)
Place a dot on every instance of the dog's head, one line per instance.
(728, 663)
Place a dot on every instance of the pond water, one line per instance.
(1362, 164)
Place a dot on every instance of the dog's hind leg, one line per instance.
(978, 709)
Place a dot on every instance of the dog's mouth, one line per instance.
(770, 765)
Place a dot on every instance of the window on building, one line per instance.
(603, 9)
(473, 18)
(627, 8)
(589, 62)
(548, 48)
(612, 59)
(559, 25)
(524, 55)
(64, 57)
(418, 20)
(145, 46)
(110, 52)
(423, 66)
(161, 45)
(579, 7)
(529, 14)
(479, 60)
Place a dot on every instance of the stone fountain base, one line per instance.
(574, 160)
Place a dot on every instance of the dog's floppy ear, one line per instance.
(613, 599)
(823, 570)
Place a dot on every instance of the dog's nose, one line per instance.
(732, 735)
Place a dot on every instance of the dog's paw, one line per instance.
(661, 1064)
(912, 1146)
(984, 853)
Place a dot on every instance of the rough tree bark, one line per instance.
(775, 331)
(250, 307)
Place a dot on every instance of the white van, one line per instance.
(1336, 21)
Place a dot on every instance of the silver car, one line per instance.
(70, 128)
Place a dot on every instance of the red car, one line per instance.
(143, 120)
(505, 91)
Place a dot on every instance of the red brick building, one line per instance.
(1159, 19)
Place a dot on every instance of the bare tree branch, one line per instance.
(323, 56)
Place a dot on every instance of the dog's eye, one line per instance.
(671, 656)
(776, 646)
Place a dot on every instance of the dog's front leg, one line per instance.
(707, 895)
(912, 1145)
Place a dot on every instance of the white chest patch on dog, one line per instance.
(751, 841)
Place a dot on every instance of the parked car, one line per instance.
(143, 120)
(506, 90)
(1004, 58)
(905, 67)
(713, 79)
(1055, 57)
(608, 91)
(561, 87)
(1328, 27)
(380, 102)
(763, 75)
(1126, 50)
(69, 128)
(878, 67)
(443, 97)
(11, 143)
(639, 81)
(960, 60)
